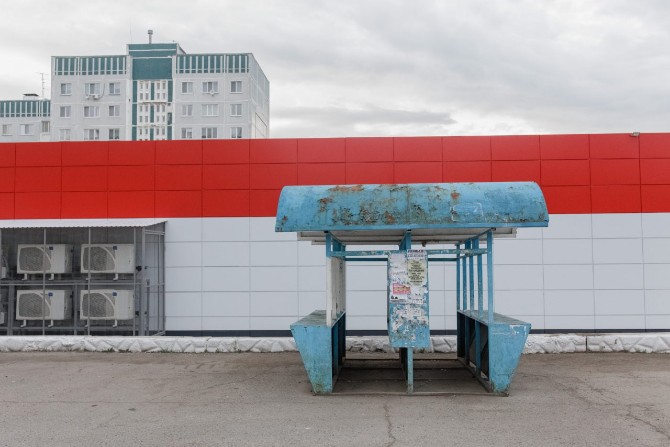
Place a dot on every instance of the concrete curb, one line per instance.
(536, 344)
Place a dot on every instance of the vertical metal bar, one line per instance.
(489, 272)
(329, 242)
(88, 286)
(410, 370)
(471, 265)
(480, 280)
(44, 279)
(478, 348)
(458, 279)
(136, 289)
(464, 279)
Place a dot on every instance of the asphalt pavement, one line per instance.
(246, 399)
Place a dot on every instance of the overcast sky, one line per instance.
(389, 67)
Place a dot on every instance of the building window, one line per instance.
(187, 110)
(65, 111)
(186, 133)
(114, 111)
(235, 132)
(92, 89)
(64, 134)
(6, 129)
(235, 86)
(210, 110)
(187, 88)
(114, 134)
(91, 134)
(210, 87)
(236, 110)
(209, 133)
(45, 127)
(25, 129)
(114, 88)
(91, 111)
(66, 89)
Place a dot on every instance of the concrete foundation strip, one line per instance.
(536, 344)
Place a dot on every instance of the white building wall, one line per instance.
(603, 271)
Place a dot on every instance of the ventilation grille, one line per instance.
(97, 305)
(98, 259)
(33, 305)
(33, 259)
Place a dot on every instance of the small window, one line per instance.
(92, 89)
(114, 111)
(66, 89)
(211, 87)
(210, 110)
(91, 111)
(45, 127)
(6, 129)
(187, 88)
(235, 86)
(64, 134)
(91, 134)
(187, 133)
(25, 129)
(235, 132)
(209, 133)
(114, 88)
(187, 110)
(114, 134)
(65, 111)
(236, 110)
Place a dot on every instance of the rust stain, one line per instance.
(323, 203)
(455, 195)
(389, 218)
(347, 188)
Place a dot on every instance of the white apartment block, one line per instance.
(25, 120)
(154, 92)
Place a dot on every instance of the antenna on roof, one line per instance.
(150, 33)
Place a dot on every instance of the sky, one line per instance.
(340, 68)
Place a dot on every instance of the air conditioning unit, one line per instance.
(107, 258)
(212, 92)
(39, 258)
(2, 318)
(38, 304)
(107, 304)
(96, 96)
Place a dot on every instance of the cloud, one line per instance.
(389, 67)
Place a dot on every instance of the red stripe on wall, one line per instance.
(611, 173)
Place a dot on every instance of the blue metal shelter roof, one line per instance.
(437, 212)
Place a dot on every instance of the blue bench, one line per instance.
(322, 347)
(491, 349)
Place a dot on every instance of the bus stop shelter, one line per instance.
(422, 224)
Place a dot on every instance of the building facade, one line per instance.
(602, 264)
(154, 92)
(25, 120)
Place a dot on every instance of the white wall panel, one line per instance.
(617, 225)
(280, 279)
(656, 250)
(362, 323)
(183, 279)
(436, 276)
(225, 254)
(519, 302)
(308, 302)
(568, 277)
(658, 322)
(617, 251)
(274, 303)
(312, 278)
(183, 304)
(657, 302)
(183, 323)
(225, 279)
(225, 323)
(517, 277)
(366, 277)
(225, 229)
(569, 322)
(366, 302)
(263, 229)
(225, 304)
(282, 253)
(183, 254)
(618, 276)
(657, 276)
(619, 302)
(568, 226)
(183, 230)
(517, 251)
(271, 323)
(569, 302)
(567, 251)
(656, 225)
(620, 321)
(309, 254)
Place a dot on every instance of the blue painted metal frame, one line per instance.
(488, 343)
